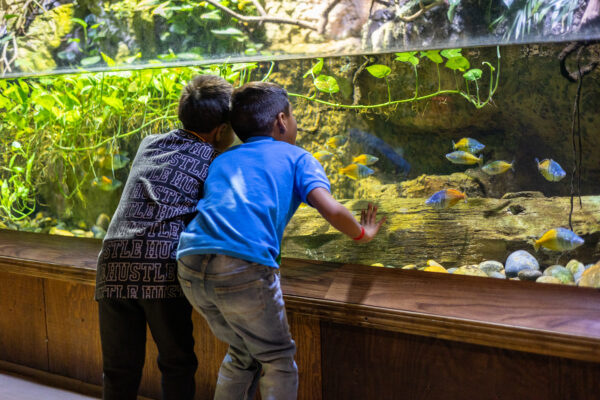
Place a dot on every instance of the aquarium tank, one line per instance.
(473, 125)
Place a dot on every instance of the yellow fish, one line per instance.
(463, 157)
(323, 155)
(116, 161)
(336, 141)
(445, 199)
(356, 171)
(106, 184)
(497, 167)
(365, 159)
(469, 145)
(551, 170)
(558, 239)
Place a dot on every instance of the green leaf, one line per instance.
(109, 61)
(408, 57)
(449, 53)
(379, 70)
(113, 102)
(45, 100)
(227, 32)
(10, 16)
(433, 55)
(473, 74)
(315, 69)
(80, 22)
(213, 15)
(458, 63)
(90, 60)
(326, 84)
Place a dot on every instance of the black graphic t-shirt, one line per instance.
(137, 260)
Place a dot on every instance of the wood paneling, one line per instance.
(306, 331)
(73, 331)
(363, 363)
(22, 321)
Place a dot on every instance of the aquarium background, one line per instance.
(64, 36)
(68, 140)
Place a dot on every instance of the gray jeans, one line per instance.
(243, 305)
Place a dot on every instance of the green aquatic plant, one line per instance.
(74, 128)
(455, 62)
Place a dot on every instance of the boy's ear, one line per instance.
(281, 123)
(223, 137)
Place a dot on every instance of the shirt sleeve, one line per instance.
(309, 175)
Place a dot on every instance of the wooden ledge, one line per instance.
(556, 320)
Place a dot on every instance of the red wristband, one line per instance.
(362, 233)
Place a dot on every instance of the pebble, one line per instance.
(497, 275)
(471, 270)
(591, 277)
(103, 221)
(561, 273)
(547, 279)
(575, 266)
(410, 266)
(436, 268)
(529, 274)
(518, 261)
(491, 266)
(451, 270)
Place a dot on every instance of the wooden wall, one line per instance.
(52, 326)
(362, 333)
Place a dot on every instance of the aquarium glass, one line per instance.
(484, 159)
(41, 37)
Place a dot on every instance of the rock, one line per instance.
(491, 266)
(62, 232)
(591, 277)
(410, 266)
(520, 260)
(529, 274)
(559, 272)
(497, 275)
(527, 195)
(575, 267)
(471, 270)
(426, 185)
(436, 268)
(103, 221)
(547, 279)
(98, 232)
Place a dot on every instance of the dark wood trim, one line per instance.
(552, 320)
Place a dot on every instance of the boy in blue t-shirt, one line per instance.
(228, 254)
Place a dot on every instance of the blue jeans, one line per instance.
(243, 305)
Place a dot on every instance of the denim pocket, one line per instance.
(246, 298)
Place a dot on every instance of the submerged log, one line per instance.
(482, 229)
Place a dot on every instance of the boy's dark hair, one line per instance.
(204, 103)
(254, 108)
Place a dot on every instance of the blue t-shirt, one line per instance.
(251, 193)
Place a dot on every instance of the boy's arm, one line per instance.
(341, 219)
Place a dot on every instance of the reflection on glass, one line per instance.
(471, 153)
(44, 36)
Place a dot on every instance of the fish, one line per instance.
(445, 199)
(105, 183)
(469, 145)
(323, 155)
(497, 167)
(356, 171)
(463, 157)
(371, 144)
(551, 170)
(365, 159)
(559, 239)
(336, 141)
(116, 161)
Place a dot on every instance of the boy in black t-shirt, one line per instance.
(136, 280)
